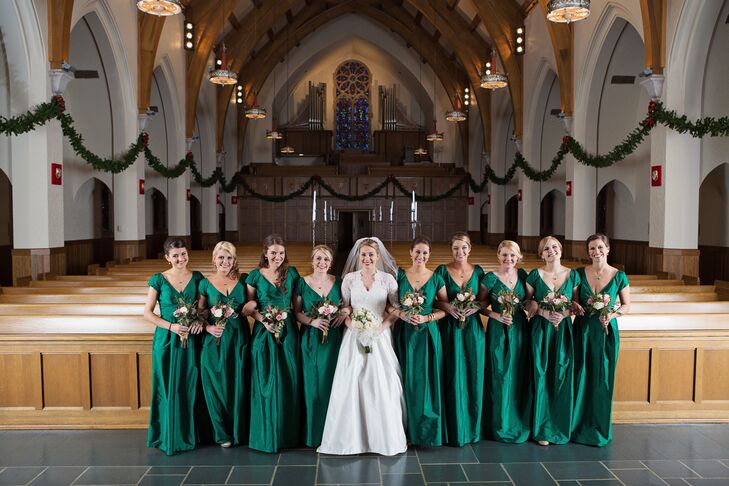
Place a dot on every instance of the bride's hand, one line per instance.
(321, 324)
(348, 322)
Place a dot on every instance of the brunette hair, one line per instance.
(234, 273)
(283, 270)
(173, 243)
(511, 245)
(421, 239)
(597, 236)
(461, 236)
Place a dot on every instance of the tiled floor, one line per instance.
(640, 455)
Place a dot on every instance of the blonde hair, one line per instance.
(461, 236)
(234, 273)
(543, 243)
(510, 245)
(324, 249)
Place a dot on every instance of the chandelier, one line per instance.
(287, 149)
(455, 116)
(435, 136)
(222, 75)
(566, 11)
(492, 78)
(273, 134)
(162, 8)
(420, 151)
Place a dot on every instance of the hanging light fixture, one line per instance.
(566, 11)
(435, 135)
(420, 151)
(221, 74)
(255, 112)
(492, 78)
(455, 116)
(162, 8)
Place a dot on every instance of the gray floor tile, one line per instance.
(208, 474)
(600, 482)
(485, 472)
(298, 475)
(19, 475)
(529, 474)
(446, 455)
(639, 477)
(569, 482)
(708, 482)
(578, 470)
(251, 475)
(161, 480)
(349, 470)
(298, 458)
(443, 472)
(676, 482)
(404, 480)
(399, 465)
(624, 464)
(57, 476)
(479, 483)
(112, 475)
(169, 470)
(670, 469)
(708, 468)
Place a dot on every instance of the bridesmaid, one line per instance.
(464, 349)
(508, 366)
(318, 356)
(596, 345)
(552, 346)
(421, 351)
(224, 364)
(275, 368)
(174, 368)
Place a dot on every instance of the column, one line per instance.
(129, 217)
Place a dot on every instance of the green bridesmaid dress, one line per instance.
(553, 365)
(174, 373)
(319, 361)
(276, 406)
(596, 355)
(508, 368)
(464, 356)
(421, 360)
(224, 369)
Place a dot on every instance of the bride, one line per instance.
(367, 408)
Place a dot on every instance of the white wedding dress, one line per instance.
(367, 407)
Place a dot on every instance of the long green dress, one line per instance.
(319, 361)
(174, 373)
(276, 406)
(464, 356)
(421, 360)
(553, 361)
(224, 369)
(508, 368)
(596, 355)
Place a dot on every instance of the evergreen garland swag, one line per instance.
(55, 109)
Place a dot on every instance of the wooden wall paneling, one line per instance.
(85, 379)
(20, 386)
(144, 371)
(133, 381)
(713, 263)
(109, 380)
(79, 255)
(632, 376)
(62, 380)
(631, 254)
(676, 374)
(715, 374)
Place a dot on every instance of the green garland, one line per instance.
(657, 113)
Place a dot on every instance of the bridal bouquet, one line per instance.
(412, 303)
(509, 301)
(275, 318)
(465, 300)
(325, 310)
(185, 315)
(554, 302)
(367, 325)
(222, 311)
(599, 304)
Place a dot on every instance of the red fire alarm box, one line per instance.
(656, 176)
(56, 174)
(233, 200)
(568, 188)
(518, 195)
(187, 195)
(141, 187)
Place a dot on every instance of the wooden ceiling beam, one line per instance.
(233, 21)
(60, 13)
(654, 33)
(475, 22)
(561, 36)
(149, 31)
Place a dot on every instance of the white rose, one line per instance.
(322, 310)
(284, 315)
(461, 297)
(407, 302)
(183, 310)
(421, 300)
(598, 305)
(217, 312)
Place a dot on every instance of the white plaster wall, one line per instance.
(230, 147)
(4, 106)
(204, 151)
(79, 225)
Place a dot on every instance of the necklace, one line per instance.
(597, 274)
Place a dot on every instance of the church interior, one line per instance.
(124, 123)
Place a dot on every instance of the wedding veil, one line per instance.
(385, 262)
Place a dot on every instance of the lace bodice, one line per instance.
(384, 288)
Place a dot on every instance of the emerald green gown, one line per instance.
(174, 374)
(596, 355)
(464, 356)
(421, 359)
(276, 406)
(224, 369)
(553, 365)
(319, 361)
(508, 368)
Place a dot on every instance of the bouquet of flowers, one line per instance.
(509, 301)
(325, 310)
(412, 303)
(599, 304)
(554, 302)
(222, 311)
(367, 325)
(275, 318)
(465, 300)
(185, 315)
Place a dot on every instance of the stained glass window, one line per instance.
(352, 81)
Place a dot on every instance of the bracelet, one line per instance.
(169, 328)
(618, 313)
